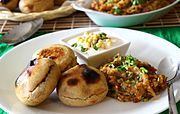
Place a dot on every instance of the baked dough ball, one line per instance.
(82, 85)
(37, 81)
(61, 54)
(58, 2)
(28, 6)
(10, 4)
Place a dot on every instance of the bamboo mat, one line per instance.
(79, 19)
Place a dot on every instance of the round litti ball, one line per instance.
(37, 81)
(82, 85)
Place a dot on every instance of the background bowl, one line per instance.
(109, 20)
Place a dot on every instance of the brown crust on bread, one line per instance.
(37, 82)
(74, 89)
(28, 6)
(12, 4)
(61, 54)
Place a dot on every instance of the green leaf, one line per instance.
(83, 49)
(103, 36)
(137, 2)
(109, 1)
(117, 10)
(95, 47)
(74, 45)
(122, 68)
(130, 61)
(143, 70)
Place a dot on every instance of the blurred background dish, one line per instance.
(29, 10)
(110, 20)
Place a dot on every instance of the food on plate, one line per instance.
(10, 4)
(132, 80)
(82, 85)
(61, 54)
(37, 81)
(58, 2)
(127, 7)
(28, 6)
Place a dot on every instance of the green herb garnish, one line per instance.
(109, 1)
(74, 45)
(102, 34)
(138, 2)
(143, 70)
(95, 47)
(117, 10)
(83, 49)
(122, 68)
(130, 61)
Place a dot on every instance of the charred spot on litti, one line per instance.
(82, 85)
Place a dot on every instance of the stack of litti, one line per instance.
(40, 78)
(55, 66)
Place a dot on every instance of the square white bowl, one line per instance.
(97, 58)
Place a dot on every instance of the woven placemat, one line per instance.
(80, 19)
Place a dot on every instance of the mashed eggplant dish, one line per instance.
(127, 7)
(132, 80)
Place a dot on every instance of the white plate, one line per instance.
(143, 46)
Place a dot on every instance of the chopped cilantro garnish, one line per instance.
(122, 68)
(130, 61)
(103, 36)
(95, 47)
(74, 45)
(117, 10)
(109, 1)
(83, 49)
(137, 2)
(143, 70)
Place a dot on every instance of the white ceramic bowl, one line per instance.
(99, 57)
(105, 19)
